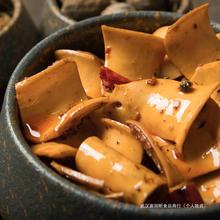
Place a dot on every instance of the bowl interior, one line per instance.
(85, 35)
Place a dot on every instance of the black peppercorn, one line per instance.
(185, 85)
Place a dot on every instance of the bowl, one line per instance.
(53, 19)
(30, 189)
(15, 40)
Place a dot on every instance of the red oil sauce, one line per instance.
(36, 129)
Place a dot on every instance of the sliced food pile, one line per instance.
(142, 126)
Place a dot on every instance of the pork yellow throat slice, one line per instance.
(154, 150)
(54, 150)
(89, 68)
(74, 137)
(132, 54)
(52, 101)
(186, 169)
(168, 69)
(162, 108)
(207, 74)
(201, 147)
(209, 187)
(120, 174)
(118, 136)
(78, 177)
(161, 31)
(191, 42)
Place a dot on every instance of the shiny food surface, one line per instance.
(131, 127)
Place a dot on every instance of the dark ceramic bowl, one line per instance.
(30, 189)
(16, 38)
(54, 20)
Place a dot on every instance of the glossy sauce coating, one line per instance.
(95, 159)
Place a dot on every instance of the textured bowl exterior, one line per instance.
(16, 39)
(30, 189)
(53, 19)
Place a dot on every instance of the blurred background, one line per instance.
(35, 10)
(35, 7)
(214, 8)
(47, 16)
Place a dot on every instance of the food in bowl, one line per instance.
(140, 126)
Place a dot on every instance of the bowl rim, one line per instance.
(15, 15)
(11, 118)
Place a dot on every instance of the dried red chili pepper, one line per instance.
(110, 78)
